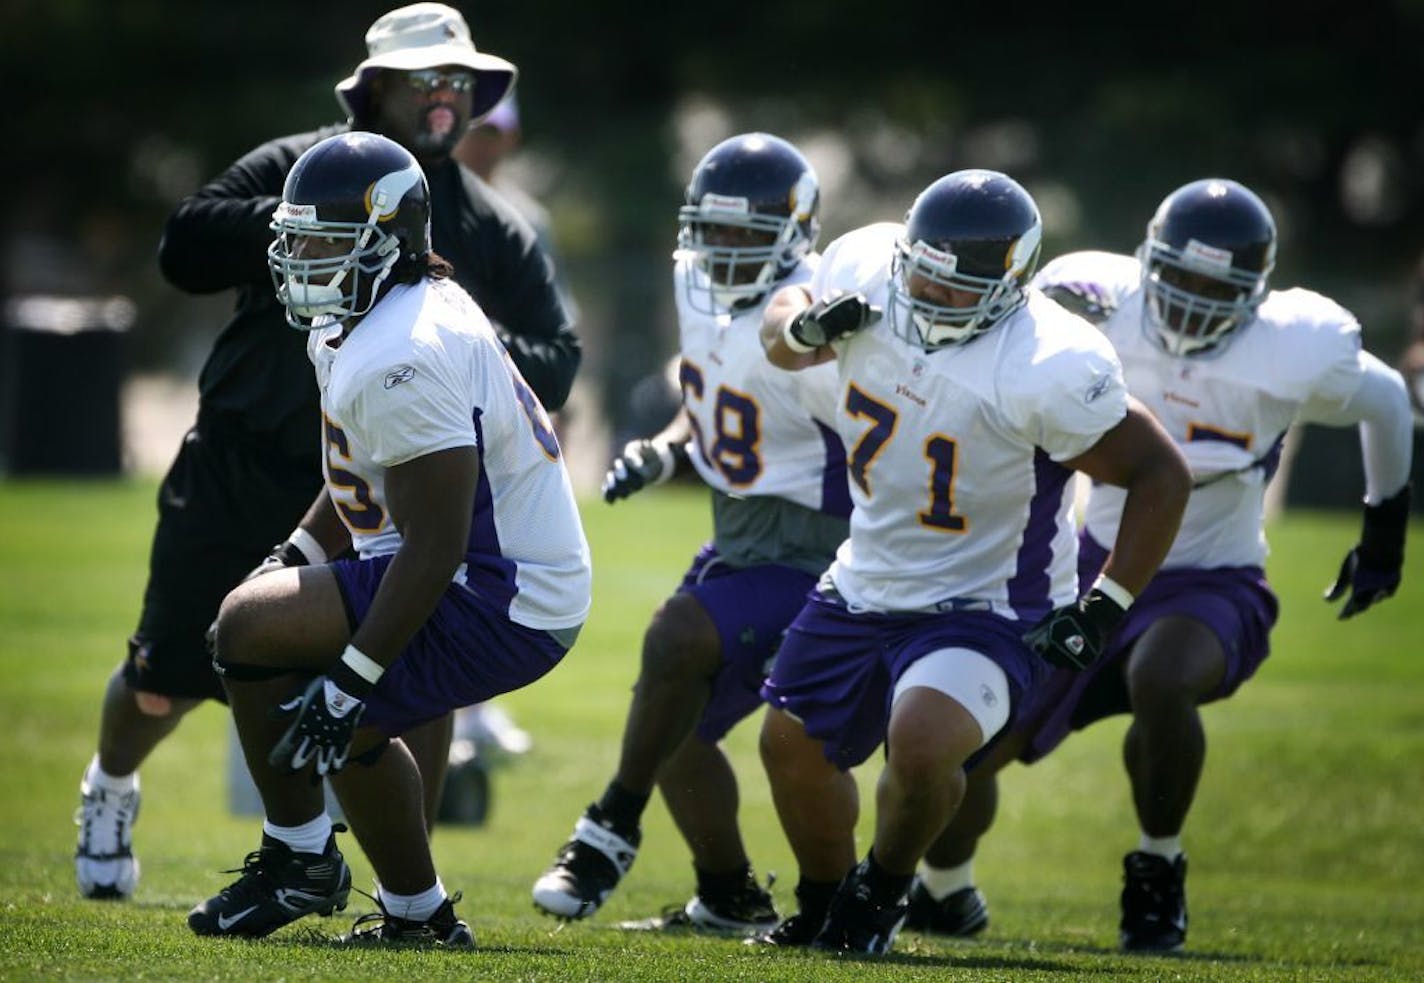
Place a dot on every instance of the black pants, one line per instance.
(224, 503)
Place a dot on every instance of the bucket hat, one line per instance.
(426, 35)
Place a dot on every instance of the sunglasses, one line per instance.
(430, 79)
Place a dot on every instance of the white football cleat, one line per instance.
(104, 864)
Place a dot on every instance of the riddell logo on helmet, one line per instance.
(724, 204)
(1201, 256)
(286, 211)
(943, 262)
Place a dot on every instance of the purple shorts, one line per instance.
(751, 607)
(836, 671)
(466, 652)
(1236, 603)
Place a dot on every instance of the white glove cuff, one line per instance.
(1119, 594)
(362, 664)
(307, 545)
(667, 459)
(792, 342)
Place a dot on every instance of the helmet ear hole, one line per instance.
(356, 189)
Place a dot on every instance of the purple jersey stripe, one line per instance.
(487, 571)
(835, 487)
(1271, 460)
(1031, 586)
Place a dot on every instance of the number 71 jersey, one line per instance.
(955, 455)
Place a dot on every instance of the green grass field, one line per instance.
(1306, 845)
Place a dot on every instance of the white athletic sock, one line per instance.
(413, 907)
(1169, 848)
(309, 837)
(941, 882)
(99, 778)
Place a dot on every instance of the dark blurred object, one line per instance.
(467, 790)
(59, 384)
(1326, 472)
(1411, 363)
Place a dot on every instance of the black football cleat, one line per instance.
(1154, 903)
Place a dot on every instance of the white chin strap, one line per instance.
(311, 299)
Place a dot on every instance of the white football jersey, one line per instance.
(424, 372)
(1228, 410)
(955, 455)
(757, 430)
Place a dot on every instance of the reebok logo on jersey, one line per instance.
(1100, 385)
(398, 375)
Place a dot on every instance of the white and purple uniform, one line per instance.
(422, 373)
(764, 442)
(1228, 411)
(961, 535)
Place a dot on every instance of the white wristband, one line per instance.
(307, 545)
(667, 459)
(362, 664)
(792, 342)
(1120, 594)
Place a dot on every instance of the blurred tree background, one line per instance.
(119, 109)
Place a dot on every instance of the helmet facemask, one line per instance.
(724, 276)
(339, 284)
(929, 324)
(1195, 298)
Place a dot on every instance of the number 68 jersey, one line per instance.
(757, 430)
(955, 455)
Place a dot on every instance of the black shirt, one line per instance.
(258, 380)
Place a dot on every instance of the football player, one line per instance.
(967, 401)
(1227, 364)
(249, 467)
(471, 575)
(762, 441)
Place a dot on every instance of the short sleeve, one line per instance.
(1068, 400)
(414, 409)
(1341, 366)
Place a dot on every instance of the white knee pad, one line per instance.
(971, 679)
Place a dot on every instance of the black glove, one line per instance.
(326, 717)
(1372, 570)
(642, 463)
(1073, 637)
(831, 318)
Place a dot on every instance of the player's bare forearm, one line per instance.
(678, 431)
(324, 524)
(1138, 455)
